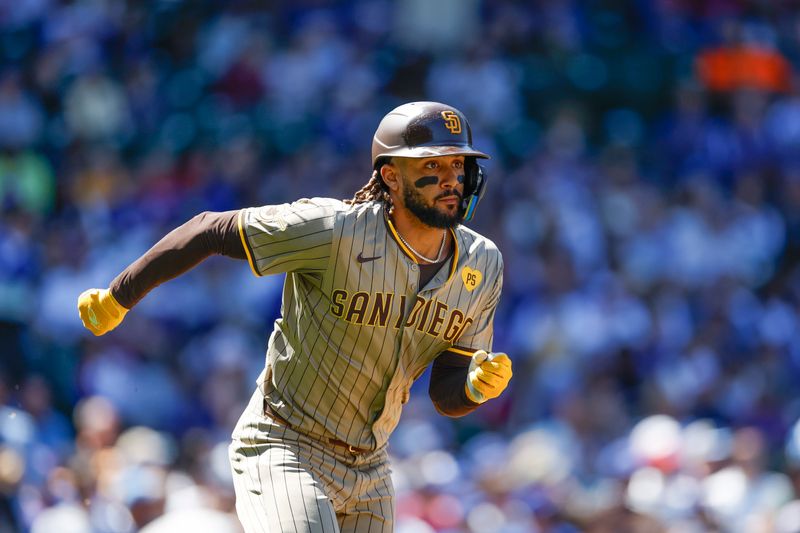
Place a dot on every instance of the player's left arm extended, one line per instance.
(208, 233)
(460, 384)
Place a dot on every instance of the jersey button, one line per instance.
(413, 267)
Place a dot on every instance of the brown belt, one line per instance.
(270, 412)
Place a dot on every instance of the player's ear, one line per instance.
(390, 174)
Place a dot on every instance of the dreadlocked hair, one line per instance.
(373, 191)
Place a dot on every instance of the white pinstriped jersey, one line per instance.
(356, 329)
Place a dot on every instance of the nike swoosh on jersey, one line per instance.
(361, 259)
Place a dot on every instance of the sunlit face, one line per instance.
(432, 189)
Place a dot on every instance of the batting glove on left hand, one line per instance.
(489, 374)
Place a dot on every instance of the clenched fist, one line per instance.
(99, 311)
(489, 374)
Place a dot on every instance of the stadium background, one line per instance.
(645, 192)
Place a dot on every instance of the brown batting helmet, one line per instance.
(423, 129)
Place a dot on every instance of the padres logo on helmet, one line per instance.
(451, 122)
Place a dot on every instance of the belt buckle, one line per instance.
(352, 450)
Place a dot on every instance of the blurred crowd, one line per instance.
(644, 190)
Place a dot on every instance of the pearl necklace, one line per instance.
(424, 258)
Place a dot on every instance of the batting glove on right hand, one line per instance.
(99, 311)
(488, 376)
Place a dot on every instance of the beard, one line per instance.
(430, 215)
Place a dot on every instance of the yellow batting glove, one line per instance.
(489, 374)
(99, 311)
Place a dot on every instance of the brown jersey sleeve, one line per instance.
(448, 377)
(184, 247)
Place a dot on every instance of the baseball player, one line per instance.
(377, 289)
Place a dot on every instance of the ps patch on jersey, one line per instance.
(471, 278)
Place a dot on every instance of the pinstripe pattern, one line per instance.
(352, 338)
(288, 482)
(351, 380)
